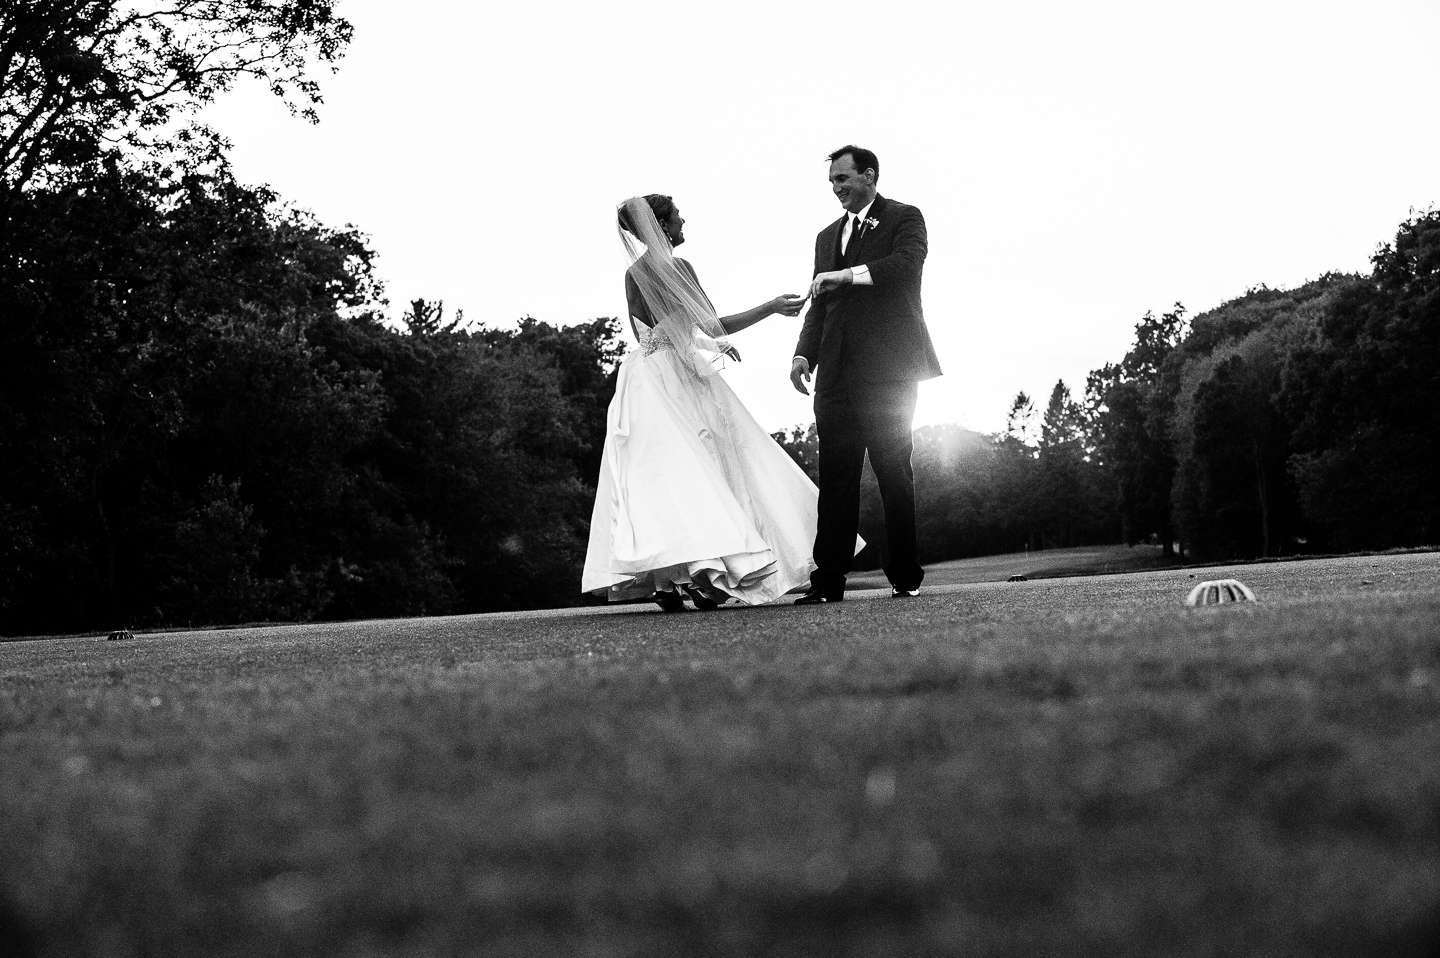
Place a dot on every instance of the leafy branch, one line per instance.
(78, 74)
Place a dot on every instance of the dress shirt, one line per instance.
(859, 275)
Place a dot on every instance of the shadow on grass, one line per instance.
(16, 938)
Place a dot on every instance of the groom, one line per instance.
(865, 337)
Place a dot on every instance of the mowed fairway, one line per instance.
(1071, 766)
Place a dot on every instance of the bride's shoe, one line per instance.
(702, 602)
(669, 601)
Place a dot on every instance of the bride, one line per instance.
(694, 497)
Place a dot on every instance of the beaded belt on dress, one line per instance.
(651, 343)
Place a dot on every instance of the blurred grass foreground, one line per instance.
(1075, 766)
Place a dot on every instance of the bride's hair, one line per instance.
(660, 204)
(678, 308)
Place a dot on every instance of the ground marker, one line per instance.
(1220, 591)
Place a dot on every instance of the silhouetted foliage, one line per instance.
(803, 445)
(204, 419)
(1364, 395)
(1129, 408)
(1232, 496)
(77, 76)
(981, 495)
(1285, 421)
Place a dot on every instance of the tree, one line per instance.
(1063, 425)
(1234, 461)
(1230, 434)
(77, 76)
(968, 499)
(156, 335)
(1131, 404)
(1020, 422)
(1064, 483)
(587, 358)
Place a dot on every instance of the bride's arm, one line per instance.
(786, 305)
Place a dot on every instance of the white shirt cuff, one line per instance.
(860, 276)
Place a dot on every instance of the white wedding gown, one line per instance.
(693, 491)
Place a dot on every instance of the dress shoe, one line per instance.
(817, 597)
(898, 593)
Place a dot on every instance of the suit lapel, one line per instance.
(839, 229)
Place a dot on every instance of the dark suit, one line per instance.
(869, 347)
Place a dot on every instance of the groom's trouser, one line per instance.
(852, 417)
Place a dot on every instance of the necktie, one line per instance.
(854, 225)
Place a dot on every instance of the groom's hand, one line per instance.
(824, 282)
(800, 370)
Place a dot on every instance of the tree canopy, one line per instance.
(78, 76)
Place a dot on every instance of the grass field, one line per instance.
(1076, 766)
(1042, 564)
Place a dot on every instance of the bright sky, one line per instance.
(1077, 163)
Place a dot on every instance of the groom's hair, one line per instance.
(864, 159)
(660, 204)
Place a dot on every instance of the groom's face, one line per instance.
(852, 187)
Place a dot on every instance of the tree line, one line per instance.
(1285, 421)
(205, 418)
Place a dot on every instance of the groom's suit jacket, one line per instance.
(872, 333)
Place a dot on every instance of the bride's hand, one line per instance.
(787, 304)
(733, 353)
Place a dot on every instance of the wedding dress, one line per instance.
(692, 490)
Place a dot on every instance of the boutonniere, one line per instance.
(871, 222)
